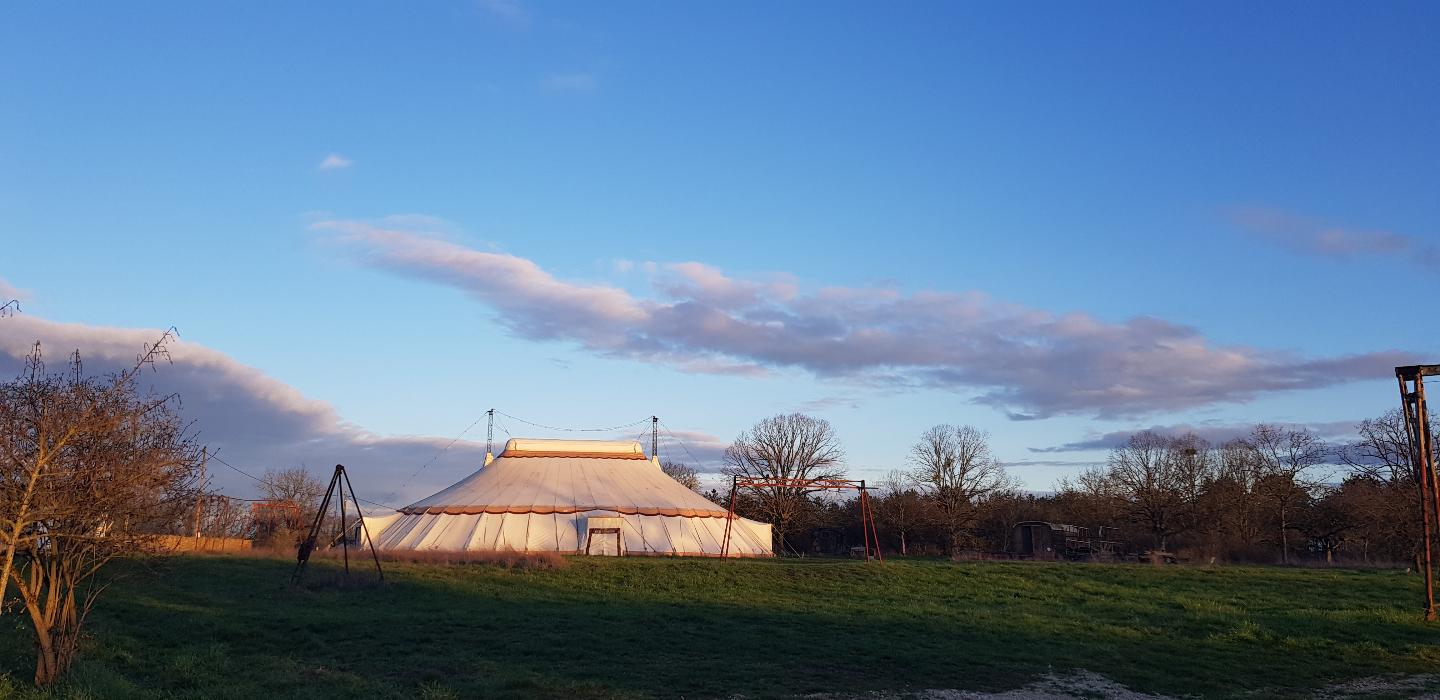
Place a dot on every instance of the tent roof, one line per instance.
(604, 449)
(569, 476)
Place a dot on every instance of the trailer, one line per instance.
(1037, 539)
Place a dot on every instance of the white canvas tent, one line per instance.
(550, 495)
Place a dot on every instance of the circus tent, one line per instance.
(573, 496)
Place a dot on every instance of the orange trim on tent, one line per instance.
(542, 510)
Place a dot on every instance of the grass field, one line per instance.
(231, 627)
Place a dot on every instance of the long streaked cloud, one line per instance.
(1028, 362)
(1318, 238)
(251, 419)
(1214, 433)
(257, 422)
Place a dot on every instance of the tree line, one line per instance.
(1277, 494)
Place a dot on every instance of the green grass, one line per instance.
(231, 627)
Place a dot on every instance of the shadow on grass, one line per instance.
(218, 627)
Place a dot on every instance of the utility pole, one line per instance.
(200, 494)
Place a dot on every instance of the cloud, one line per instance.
(569, 82)
(253, 420)
(701, 450)
(1027, 362)
(826, 403)
(335, 161)
(1067, 463)
(10, 293)
(509, 11)
(1214, 433)
(1321, 239)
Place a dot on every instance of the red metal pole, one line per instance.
(1424, 485)
(870, 513)
(1427, 462)
(864, 516)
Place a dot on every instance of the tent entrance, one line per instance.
(603, 537)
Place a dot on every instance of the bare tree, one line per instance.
(899, 507)
(954, 470)
(1382, 455)
(1158, 480)
(1382, 450)
(683, 473)
(298, 495)
(1088, 498)
(791, 449)
(223, 516)
(37, 433)
(1233, 498)
(1287, 459)
(92, 469)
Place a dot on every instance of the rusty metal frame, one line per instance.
(1422, 460)
(867, 514)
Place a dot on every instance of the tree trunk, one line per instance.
(54, 654)
(903, 552)
(1284, 539)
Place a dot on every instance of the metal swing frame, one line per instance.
(867, 514)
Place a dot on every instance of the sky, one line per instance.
(1060, 223)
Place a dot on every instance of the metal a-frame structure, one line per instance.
(341, 482)
(1422, 459)
(867, 514)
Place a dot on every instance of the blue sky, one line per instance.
(1260, 180)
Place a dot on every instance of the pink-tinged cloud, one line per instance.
(1321, 239)
(253, 420)
(1028, 362)
(1214, 433)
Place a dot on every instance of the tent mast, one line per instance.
(489, 437)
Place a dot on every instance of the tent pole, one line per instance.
(729, 518)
